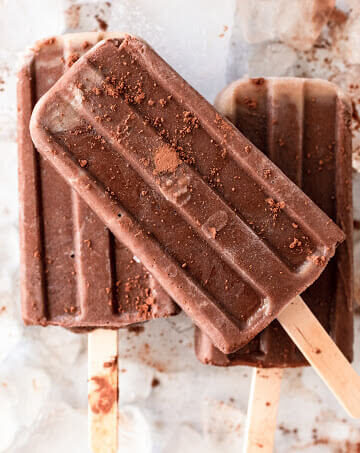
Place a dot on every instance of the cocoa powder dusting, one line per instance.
(72, 59)
(337, 18)
(102, 399)
(111, 364)
(295, 243)
(136, 329)
(258, 81)
(102, 24)
(155, 382)
(275, 207)
(166, 160)
(317, 260)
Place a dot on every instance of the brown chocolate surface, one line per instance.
(183, 189)
(302, 125)
(74, 272)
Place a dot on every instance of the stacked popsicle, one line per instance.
(75, 273)
(302, 125)
(227, 235)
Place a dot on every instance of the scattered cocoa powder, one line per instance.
(166, 160)
(103, 398)
(136, 329)
(102, 24)
(155, 382)
(295, 243)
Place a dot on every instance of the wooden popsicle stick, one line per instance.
(103, 390)
(323, 354)
(262, 410)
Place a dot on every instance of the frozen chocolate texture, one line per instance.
(303, 126)
(183, 189)
(74, 273)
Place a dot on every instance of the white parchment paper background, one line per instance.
(169, 401)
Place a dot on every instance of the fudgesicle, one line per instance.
(302, 125)
(227, 235)
(74, 273)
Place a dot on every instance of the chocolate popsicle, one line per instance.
(206, 212)
(302, 125)
(74, 273)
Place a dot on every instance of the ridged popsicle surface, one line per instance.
(303, 126)
(74, 272)
(183, 189)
